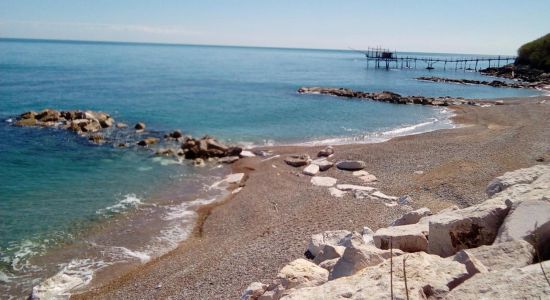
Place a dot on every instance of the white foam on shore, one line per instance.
(436, 123)
(25, 250)
(129, 201)
(77, 273)
(4, 277)
(127, 253)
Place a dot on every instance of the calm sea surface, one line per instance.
(56, 187)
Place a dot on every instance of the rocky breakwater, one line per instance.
(493, 83)
(498, 249)
(390, 97)
(521, 73)
(101, 128)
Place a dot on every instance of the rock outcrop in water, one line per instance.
(498, 249)
(390, 97)
(493, 83)
(100, 128)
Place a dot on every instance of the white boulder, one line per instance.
(409, 238)
(311, 170)
(412, 217)
(323, 181)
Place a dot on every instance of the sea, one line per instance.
(70, 210)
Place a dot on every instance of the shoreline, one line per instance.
(210, 214)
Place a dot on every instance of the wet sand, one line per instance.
(251, 235)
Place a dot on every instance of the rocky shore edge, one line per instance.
(390, 97)
(518, 72)
(101, 128)
(493, 83)
(499, 249)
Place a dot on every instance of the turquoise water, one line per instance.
(54, 185)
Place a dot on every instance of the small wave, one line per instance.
(10, 120)
(129, 201)
(22, 252)
(410, 128)
(76, 274)
(121, 253)
(4, 277)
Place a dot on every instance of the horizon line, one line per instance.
(83, 41)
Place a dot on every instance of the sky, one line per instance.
(464, 26)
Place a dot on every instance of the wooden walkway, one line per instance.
(384, 58)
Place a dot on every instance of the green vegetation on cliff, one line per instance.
(536, 54)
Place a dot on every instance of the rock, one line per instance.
(336, 192)
(165, 151)
(323, 164)
(97, 139)
(521, 176)
(465, 228)
(409, 238)
(148, 141)
(311, 170)
(234, 151)
(328, 151)
(329, 252)
(356, 258)
(333, 238)
(352, 187)
(28, 115)
(106, 123)
(228, 159)
(428, 277)
(329, 264)
(198, 162)
(120, 125)
(412, 217)
(323, 181)
(48, 115)
(351, 165)
(301, 273)
(530, 221)
(383, 196)
(405, 200)
(360, 173)
(254, 291)
(368, 235)
(26, 122)
(504, 256)
(176, 134)
(516, 283)
(297, 160)
(213, 144)
(368, 178)
(246, 153)
(90, 126)
(139, 126)
(472, 264)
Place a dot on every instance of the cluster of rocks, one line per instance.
(100, 128)
(77, 121)
(390, 97)
(498, 249)
(313, 167)
(493, 83)
(518, 72)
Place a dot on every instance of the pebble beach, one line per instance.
(251, 234)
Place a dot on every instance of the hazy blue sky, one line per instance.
(481, 26)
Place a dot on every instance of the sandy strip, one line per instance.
(254, 233)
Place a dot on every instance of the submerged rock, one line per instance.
(139, 126)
